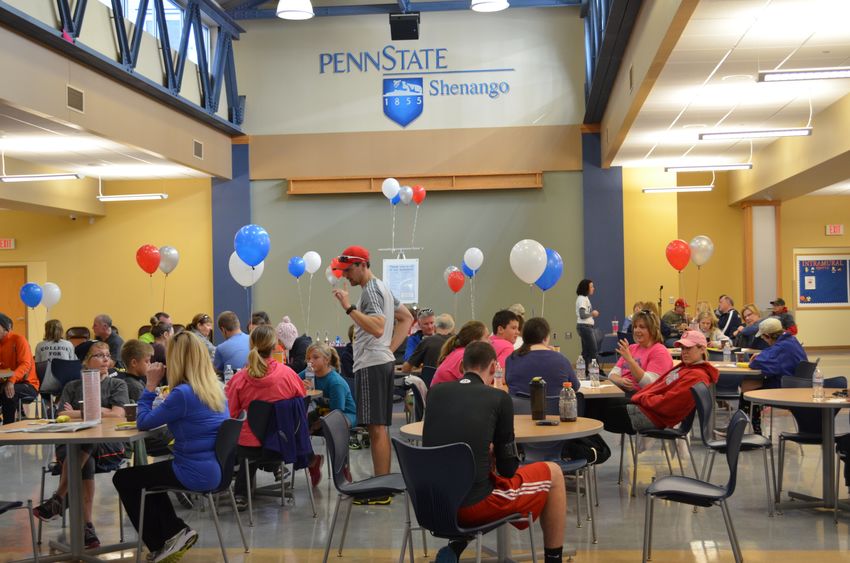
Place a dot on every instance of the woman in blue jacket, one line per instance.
(193, 411)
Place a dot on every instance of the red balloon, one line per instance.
(456, 281)
(147, 257)
(678, 254)
(418, 194)
(335, 268)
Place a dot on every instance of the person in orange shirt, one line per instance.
(16, 369)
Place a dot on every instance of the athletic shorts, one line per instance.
(374, 390)
(525, 492)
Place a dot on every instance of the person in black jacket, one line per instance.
(728, 319)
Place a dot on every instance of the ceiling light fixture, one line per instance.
(126, 197)
(756, 134)
(489, 5)
(678, 189)
(34, 177)
(794, 74)
(295, 10)
(709, 167)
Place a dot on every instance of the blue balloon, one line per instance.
(552, 273)
(297, 266)
(470, 273)
(31, 294)
(251, 244)
(395, 199)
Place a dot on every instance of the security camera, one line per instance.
(72, 217)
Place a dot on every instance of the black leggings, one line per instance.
(589, 349)
(612, 412)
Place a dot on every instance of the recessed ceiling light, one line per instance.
(678, 189)
(39, 177)
(795, 74)
(709, 167)
(756, 134)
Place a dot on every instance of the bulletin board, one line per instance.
(823, 281)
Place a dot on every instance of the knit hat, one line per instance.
(5, 322)
(286, 332)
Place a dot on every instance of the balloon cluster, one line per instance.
(699, 251)
(310, 263)
(250, 247)
(454, 278)
(473, 259)
(397, 193)
(34, 295)
(150, 258)
(534, 264)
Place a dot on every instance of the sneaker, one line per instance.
(315, 469)
(177, 546)
(365, 441)
(446, 555)
(241, 503)
(50, 509)
(185, 500)
(375, 501)
(90, 538)
(354, 443)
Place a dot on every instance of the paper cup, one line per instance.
(130, 412)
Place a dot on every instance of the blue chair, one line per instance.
(437, 480)
(695, 492)
(809, 421)
(66, 371)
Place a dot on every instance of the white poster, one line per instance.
(402, 277)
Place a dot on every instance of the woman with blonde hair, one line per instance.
(451, 355)
(707, 324)
(53, 345)
(336, 394)
(202, 327)
(193, 411)
(644, 361)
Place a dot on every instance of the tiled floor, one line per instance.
(292, 534)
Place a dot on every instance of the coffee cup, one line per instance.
(130, 411)
(82, 407)
(741, 357)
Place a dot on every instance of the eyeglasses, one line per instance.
(205, 319)
(425, 313)
(350, 259)
(102, 356)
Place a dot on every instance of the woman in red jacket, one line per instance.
(668, 400)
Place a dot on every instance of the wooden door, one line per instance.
(11, 280)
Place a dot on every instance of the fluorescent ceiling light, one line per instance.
(756, 134)
(793, 74)
(39, 177)
(489, 5)
(132, 197)
(677, 189)
(294, 10)
(709, 167)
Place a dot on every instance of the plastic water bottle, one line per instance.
(337, 342)
(817, 385)
(499, 377)
(567, 403)
(310, 375)
(594, 373)
(228, 373)
(727, 352)
(581, 369)
(327, 340)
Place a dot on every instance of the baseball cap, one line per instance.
(691, 338)
(680, 303)
(770, 325)
(351, 255)
(778, 301)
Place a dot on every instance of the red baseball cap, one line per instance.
(681, 303)
(351, 255)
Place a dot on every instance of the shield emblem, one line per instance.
(402, 99)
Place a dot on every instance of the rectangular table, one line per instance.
(104, 432)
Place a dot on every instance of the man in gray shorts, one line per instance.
(375, 338)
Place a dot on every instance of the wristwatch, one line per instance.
(351, 308)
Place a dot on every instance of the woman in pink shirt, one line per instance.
(644, 361)
(263, 379)
(449, 366)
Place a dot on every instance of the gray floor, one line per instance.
(292, 534)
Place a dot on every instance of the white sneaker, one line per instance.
(177, 546)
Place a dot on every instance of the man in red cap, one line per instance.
(676, 318)
(381, 323)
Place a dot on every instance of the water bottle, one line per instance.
(817, 385)
(581, 371)
(537, 389)
(727, 352)
(228, 373)
(327, 340)
(337, 342)
(567, 403)
(310, 375)
(594, 373)
(499, 377)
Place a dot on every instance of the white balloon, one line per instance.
(405, 193)
(473, 258)
(528, 260)
(50, 294)
(390, 187)
(168, 259)
(245, 275)
(448, 271)
(312, 262)
(329, 275)
(701, 249)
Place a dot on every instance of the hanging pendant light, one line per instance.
(489, 5)
(295, 9)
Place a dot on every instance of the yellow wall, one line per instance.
(802, 226)
(95, 265)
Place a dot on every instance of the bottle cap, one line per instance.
(568, 383)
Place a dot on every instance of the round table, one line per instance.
(526, 431)
(802, 398)
(606, 390)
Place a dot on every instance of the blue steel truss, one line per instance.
(222, 74)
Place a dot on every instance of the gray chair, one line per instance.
(6, 506)
(695, 492)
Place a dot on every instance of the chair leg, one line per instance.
(595, 487)
(647, 529)
(247, 463)
(345, 525)
(634, 465)
(214, 511)
(837, 481)
(310, 491)
(120, 520)
(667, 456)
(773, 472)
(767, 484)
(141, 526)
(331, 531)
(711, 464)
(424, 543)
(478, 547)
(693, 461)
(32, 530)
(730, 529)
(530, 539)
(781, 473)
(407, 539)
(578, 475)
(41, 501)
(675, 445)
(591, 492)
(622, 447)
(238, 519)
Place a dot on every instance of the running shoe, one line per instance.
(176, 547)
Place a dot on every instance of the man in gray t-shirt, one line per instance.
(381, 323)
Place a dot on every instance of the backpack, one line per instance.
(592, 448)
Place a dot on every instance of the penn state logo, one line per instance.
(403, 99)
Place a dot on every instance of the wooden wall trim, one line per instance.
(778, 221)
(749, 279)
(349, 185)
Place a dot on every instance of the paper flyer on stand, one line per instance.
(91, 395)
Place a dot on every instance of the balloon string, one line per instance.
(413, 235)
(543, 304)
(309, 301)
(248, 299)
(531, 297)
(301, 301)
(472, 298)
(456, 306)
(393, 228)
(164, 284)
(696, 300)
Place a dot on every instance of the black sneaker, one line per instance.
(90, 538)
(50, 509)
(185, 500)
(374, 501)
(241, 503)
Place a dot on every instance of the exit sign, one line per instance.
(7, 244)
(834, 230)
